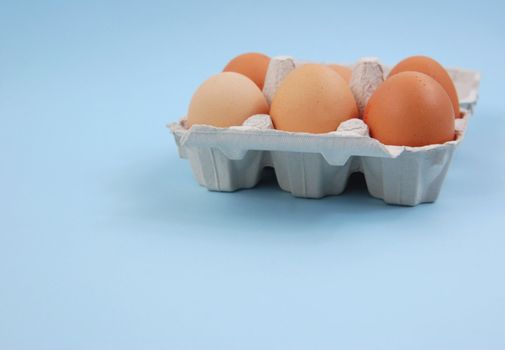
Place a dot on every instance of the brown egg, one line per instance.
(312, 98)
(435, 70)
(226, 99)
(410, 109)
(253, 65)
(343, 71)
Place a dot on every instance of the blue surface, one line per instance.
(106, 240)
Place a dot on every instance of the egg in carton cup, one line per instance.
(316, 165)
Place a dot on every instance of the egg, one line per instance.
(410, 109)
(343, 71)
(312, 98)
(253, 65)
(435, 70)
(226, 99)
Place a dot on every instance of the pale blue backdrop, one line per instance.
(107, 242)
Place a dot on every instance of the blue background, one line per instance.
(106, 240)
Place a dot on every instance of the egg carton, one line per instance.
(316, 165)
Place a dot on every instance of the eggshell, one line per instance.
(312, 98)
(253, 65)
(410, 109)
(435, 70)
(226, 99)
(343, 71)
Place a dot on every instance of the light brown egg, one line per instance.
(435, 70)
(253, 65)
(226, 99)
(410, 109)
(343, 71)
(313, 98)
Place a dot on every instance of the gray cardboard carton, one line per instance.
(317, 165)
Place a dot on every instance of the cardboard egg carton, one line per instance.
(316, 165)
